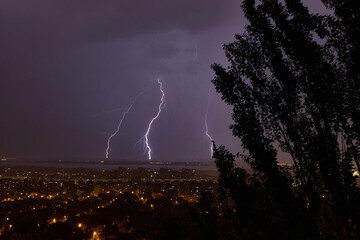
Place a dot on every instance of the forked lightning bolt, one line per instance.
(207, 127)
(146, 136)
(120, 122)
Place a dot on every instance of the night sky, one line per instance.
(70, 68)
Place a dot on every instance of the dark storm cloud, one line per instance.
(68, 69)
(68, 20)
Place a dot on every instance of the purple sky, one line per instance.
(66, 65)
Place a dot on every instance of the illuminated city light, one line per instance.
(46, 183)
(95, 235)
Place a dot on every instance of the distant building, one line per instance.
(188, 173)
(165, 173)
(97, 190)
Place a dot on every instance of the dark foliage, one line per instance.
(293, 83)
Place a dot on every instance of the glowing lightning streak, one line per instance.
(196, 53)
(120, 122)
(207, 127)
(152, 120)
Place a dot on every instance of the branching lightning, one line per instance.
(207, 127)
(120, 122)
(153, 119)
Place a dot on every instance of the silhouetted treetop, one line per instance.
(294, 84)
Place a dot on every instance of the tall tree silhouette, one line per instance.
(294, 84)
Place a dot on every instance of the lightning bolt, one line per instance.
(196, 53)
(207, 127)
(153, 119)
(120, 122)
